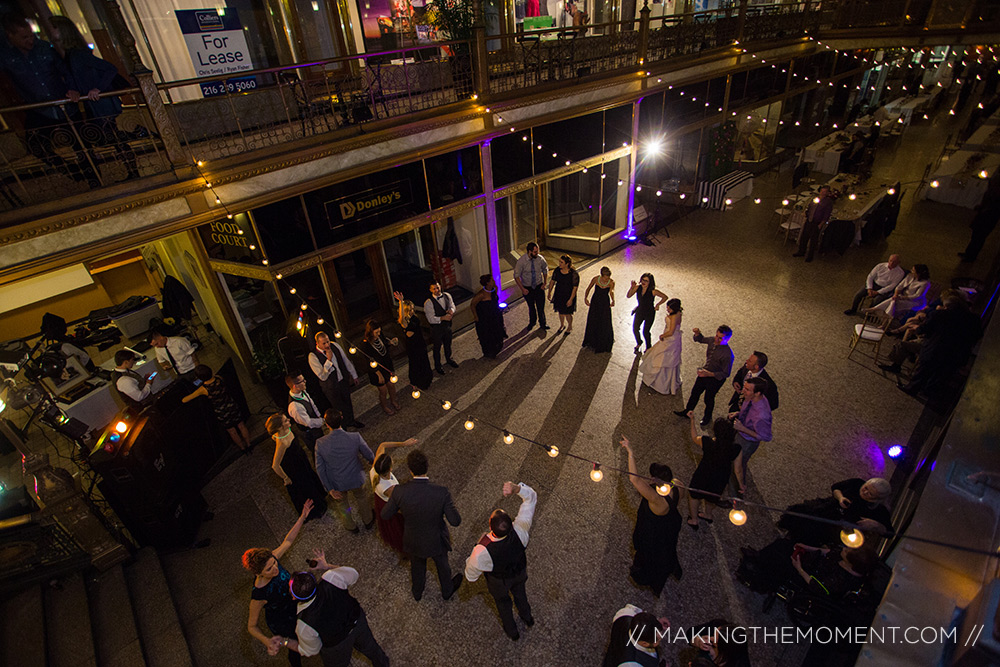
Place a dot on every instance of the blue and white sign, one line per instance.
(215, 40)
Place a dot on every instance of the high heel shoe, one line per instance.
(636, 350)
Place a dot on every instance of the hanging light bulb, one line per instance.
(373, 363)
(470, 423)
(935, 184)
(597, 474)
(394, 379)
(815, 200)
(659, 193)
(292, 291)
(683, 195)
(508, 438)
(553, 451)
(891, 191)
(279, 276)
(415, 393)
(264, 262)
(756, 200)
(784, 202)
(729, 202)
(337, 334)
(303, 307)
(320, 320)
(852, 196)
(446, 405)
(984, 174)
(737, 516)
(638, 188)
(664, 489)
(852, 538)
(352, 350)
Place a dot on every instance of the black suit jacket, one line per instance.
(771, 394)
(425, 506)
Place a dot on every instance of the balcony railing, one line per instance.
(48, 152)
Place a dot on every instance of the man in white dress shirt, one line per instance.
(500, 556)
(174, 352)
(881, 282)
(530, 273)
(303, 410)
(440, 309)
(133, 387)
(336, 376)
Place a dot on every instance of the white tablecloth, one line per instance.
(905, 107)
(825, 153)
(986, 138)
(960, 184)
(97, 408)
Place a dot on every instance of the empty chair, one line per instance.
(871, 331)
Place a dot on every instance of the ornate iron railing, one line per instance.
(53, 150)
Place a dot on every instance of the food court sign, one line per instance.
(215, 41)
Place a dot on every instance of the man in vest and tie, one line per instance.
(303, 410)
(530, 274)
(330, 621)
(133, 388)
(440, 309)
(500, 557)
(336, 376)
(174, 352)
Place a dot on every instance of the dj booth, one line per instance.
(152, 470)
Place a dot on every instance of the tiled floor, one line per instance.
(836, 418)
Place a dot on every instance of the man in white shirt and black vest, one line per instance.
(303, 410)
(440, 309)
(330, 621)
(500, 557)
(174, 352)
(336, 376)
(132, 387)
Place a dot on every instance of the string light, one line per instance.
(337, 334)
(415, 393)
(508, 438)
(352, 350)
(596, 474)
(553, 451)
(664, 489)
(446, 405)
(470, 423)
(935, 183)
(320, 320)
(373, 363)
(737, 516)
(394, 379)
(853, 538)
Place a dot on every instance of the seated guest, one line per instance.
(132, 387)
(949, 334)
(851, 500)
(881, 282)
(717, 643)
(821, 571)
(910, 294)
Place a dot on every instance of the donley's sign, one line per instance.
(369, 202)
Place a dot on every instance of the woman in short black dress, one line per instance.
(565, 283)
(271, 594)
(657, 524)
(416, 347)
(383, 374)
(712, 473)
(225, 408)
(600, 334)
(488, 317)
(291, 464)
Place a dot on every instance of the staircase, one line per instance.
(124, 617)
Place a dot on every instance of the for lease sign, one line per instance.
(215, 41)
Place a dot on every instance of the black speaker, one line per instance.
(168, 523)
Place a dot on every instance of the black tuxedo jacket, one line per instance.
(771, 394)
(425, 506)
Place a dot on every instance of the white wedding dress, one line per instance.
(661, 364)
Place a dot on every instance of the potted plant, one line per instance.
(456, 19)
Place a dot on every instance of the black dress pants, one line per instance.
(536, 305)
(502, 589)
(645, 320)
(418, 574)
(808, 236)
(708, 386)
(862, 295)
(441, 336)
(338, 392)
(360, 639)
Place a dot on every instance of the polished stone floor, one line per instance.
(836, 418)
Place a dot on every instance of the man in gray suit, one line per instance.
(425, 507)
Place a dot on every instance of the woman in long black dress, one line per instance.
(488, 317)
(271, 594)
(292, 465)
(600, 335)
(416, 347)
(657, 525)
(712, 473)
(225, 408)
(382, 373)
(645, 312)
(565, 283)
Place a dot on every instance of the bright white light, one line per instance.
(654, 147)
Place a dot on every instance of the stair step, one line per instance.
(156, 618)
(22, 629)
(69, 639)
(116, 637)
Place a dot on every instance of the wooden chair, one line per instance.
(871, 331)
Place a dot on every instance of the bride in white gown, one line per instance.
(661, 365)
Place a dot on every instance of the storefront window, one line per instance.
(454, 176)
(574, 205)
(308, 288)
(516, 227)
(614, 198)
(408, 259)
(258, 308)
(757, 130)
(231, 240)
(283, 230)
(463, 254)
(511, 156)
(357, 285)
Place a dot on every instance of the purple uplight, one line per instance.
(895, 451)
(503, 304)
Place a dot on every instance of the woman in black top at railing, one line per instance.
(92, 76)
